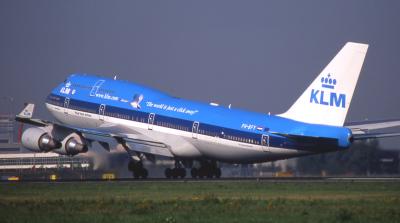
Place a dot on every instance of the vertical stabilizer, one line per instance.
(327, 100)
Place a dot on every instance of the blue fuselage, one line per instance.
(133, 102)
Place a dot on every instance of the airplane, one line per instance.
(148, 123)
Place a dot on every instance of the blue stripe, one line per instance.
(277, 141)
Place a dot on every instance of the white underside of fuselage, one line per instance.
(182, 144)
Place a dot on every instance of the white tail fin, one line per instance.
(327, 100)
(27, 112)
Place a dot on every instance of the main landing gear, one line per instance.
(178, 171)
(207, 169)
(137, 169)
(135, 164)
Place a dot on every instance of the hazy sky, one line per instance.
(256, 55)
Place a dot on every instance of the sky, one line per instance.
(255, 55)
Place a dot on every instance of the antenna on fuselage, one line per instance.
(115, 77)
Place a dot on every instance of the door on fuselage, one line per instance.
(195, 129)
(102, 109)
(151, 120)
(265, 143)
(66, 105)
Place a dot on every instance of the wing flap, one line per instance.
(144, 146)
(160, 151)
(133, 144)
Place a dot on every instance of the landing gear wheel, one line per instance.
(131, 166)
(140, 173)
(217, 173)
(210, 174)
(145, 173)
(208, 169)
(202, 172)
(136, 175)
(181, 172)
(168, 173)
(175, 173)
(178, 171)
(194, 173)
(138, 170)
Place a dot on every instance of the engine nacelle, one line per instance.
(72, 145)
(39, 140)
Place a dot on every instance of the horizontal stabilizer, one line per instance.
(375, 135)
(365, 126)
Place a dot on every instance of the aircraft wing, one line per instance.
(25, 116)
(361, 130)
(131, 142)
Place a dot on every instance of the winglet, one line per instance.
(25, 116)
(27, 112)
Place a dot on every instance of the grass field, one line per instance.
(200, 202)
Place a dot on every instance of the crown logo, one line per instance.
(328, 82)
(68, 84)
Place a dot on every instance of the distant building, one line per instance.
(6, 129)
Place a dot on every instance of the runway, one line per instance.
(231, 179)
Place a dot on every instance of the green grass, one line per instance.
(200, 202)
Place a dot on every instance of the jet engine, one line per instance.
(39, 140)
(61, 141)
(72, 145)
